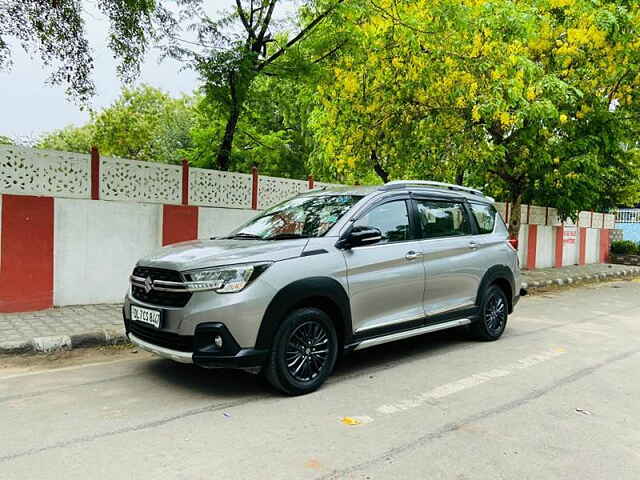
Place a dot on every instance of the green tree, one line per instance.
(69, 139)
(514, 96)
(5, 140)
(54, 31)
(145, 124)
(273, 133)
(235, 50)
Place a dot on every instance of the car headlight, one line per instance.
(224, 279)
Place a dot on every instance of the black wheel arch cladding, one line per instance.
(303, 293)
(501, 275)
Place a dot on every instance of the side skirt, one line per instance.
(411, 333)
(414, 328)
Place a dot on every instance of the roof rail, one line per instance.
(423, 183)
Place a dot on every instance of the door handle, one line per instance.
(473, 245)
(411, 255)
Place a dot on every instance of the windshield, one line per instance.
(299, 217)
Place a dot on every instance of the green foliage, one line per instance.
(625, 247)
(238, 49)
(5, 140)
(145, 124)
(55, 32)
(69, 139)
(533, 101)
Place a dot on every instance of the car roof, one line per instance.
(438, 190)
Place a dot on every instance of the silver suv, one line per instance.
(325, 273)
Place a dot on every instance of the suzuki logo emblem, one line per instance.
(148, 284)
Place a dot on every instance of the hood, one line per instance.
(213, 253)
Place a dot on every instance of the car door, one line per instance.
(490, 236)
(450, 255)
(386, 279)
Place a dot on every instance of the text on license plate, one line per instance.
(144, 315)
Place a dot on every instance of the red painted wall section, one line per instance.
(532, 246)
(179, 223)
(582, 259)
(559, 247)
(26, 253)
(604, 245)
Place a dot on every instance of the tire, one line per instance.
(295, 365)
(494, 310)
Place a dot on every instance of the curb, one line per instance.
(582, 279)
(118, 337)
(65, 342)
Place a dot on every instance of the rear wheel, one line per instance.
(304, 352)
(494, 310)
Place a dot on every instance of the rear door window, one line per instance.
(442, 219)
(485, 217)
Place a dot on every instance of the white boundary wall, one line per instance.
(97, 242)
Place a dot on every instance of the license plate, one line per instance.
(144, 315)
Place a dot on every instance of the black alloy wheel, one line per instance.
(304, 352)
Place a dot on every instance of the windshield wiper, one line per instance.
(245, 236)
(286, 236)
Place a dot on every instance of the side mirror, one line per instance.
(359, 236)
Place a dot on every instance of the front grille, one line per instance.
(173, 341)
(155, 297)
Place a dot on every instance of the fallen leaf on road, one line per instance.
(350, 421)
(361, 420)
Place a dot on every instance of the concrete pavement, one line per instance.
(90, 325)
(556, 397)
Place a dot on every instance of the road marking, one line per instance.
(66, 369)
(471, 381)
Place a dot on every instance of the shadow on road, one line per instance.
(224, 383)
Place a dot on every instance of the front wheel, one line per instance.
(494, 310)
(304, 352)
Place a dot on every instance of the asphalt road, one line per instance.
(556, 397)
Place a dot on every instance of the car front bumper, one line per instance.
(203, 351)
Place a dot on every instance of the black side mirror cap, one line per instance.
(359, 236)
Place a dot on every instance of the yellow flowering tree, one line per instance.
(529, 99)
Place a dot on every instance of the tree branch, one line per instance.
(245, 22)
(329, 53)
(617, 86)
(299, 36)
(267, 20)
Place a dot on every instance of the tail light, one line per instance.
(513, 243)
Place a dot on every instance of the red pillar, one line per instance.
(95, 173)
(311, 182)
(582, 259)
(254, 188)
(179, 223)
(532, 246)
(26, 253)
(185, 182)
(559, 247)
(604, 245)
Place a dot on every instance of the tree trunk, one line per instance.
(378, 168)
(224, 152)
(515, 214)
(460, 176)
(239, 84)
